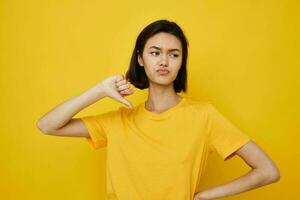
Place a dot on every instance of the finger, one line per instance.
(119, 78)
(121, 82)
(126, 92)
(123, 87)
(130, 105)
(126, 102)
(129, 91)
(120, 98)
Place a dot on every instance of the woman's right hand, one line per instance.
(117, 87)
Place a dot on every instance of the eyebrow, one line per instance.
(155, 47)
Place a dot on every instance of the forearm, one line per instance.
(253, 179)
(62, 113)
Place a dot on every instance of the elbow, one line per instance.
(42, 127)
(272, 175)
(275, 177)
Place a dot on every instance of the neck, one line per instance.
(161, 99)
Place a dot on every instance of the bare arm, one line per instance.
(62, 114)
(263, 172)
(58, 121)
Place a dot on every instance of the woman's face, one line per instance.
(162, 58)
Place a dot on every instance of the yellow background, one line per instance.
(244, 57)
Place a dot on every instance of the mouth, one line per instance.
(163, 71)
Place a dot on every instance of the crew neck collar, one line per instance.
(162, 115)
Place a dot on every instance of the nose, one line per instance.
(164, 60)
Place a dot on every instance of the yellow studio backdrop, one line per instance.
(243, 56)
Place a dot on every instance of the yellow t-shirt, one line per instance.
(161, 156)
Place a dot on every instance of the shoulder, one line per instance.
(200, 105)
(109, 114)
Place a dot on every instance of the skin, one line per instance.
(162, 96)
(264, 171)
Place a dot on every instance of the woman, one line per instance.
(158, 149)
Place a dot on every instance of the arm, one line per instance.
(58, 121)
(61, 116)
(263, 172)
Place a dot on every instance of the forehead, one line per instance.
(164, 41)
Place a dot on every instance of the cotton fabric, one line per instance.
(161, 156)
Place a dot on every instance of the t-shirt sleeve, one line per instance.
(98, 127)
(224, 137)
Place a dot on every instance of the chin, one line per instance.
(163, 81)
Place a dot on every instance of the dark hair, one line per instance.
(136, 74)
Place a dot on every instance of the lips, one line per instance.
(162, 71)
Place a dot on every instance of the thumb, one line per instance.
(127, 103)
(121, 99)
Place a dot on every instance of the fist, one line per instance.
(116, 87)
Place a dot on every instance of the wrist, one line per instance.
(98, 91)
(202, 195)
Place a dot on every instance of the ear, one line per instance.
(140, 60)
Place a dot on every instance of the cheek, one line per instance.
(150, 64)
(176, 64)
(177, 61)
(150, 60)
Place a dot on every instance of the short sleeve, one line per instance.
(224, 137)
(98, 127)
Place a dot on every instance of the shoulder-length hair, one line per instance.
(136, 74)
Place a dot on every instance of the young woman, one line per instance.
(158, 149)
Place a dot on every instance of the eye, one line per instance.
(154, 53)
(174, 55)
